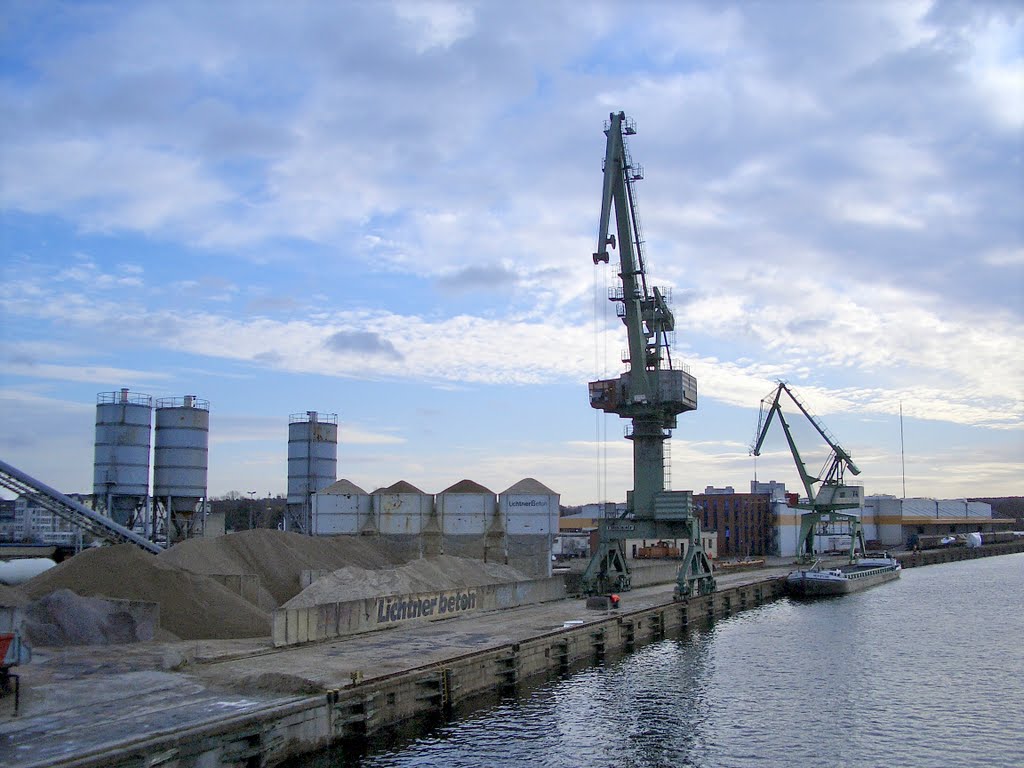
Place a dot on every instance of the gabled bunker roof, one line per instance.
(529, 485)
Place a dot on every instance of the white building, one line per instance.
(894, 522)
(35, 523)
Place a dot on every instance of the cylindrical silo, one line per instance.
(312, 462)
(180, 450)
(121, 464)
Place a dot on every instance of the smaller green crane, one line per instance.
(833, 495)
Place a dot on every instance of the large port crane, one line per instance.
(826, 502)
(651, 393)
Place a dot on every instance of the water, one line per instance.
(924, 671)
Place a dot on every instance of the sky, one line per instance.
(387, 210)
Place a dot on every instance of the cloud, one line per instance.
(410, 192)
(364, 342)
(92, 374)
(486, 277)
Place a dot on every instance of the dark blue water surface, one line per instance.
(924, 671)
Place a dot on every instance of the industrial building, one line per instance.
(24, 520)
(744, 522)
(895, 522)
(888, 521)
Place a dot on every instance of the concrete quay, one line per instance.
(244, 703)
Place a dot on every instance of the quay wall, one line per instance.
(360, 707)
(955, 554)
(326, 621)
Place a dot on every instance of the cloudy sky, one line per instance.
(387, 210)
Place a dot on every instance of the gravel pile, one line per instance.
(192, 606)
(435, 573)
(278, 558)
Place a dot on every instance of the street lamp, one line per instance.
(252, 509)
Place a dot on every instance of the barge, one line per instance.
(865, 572)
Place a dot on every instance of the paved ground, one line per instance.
(80, 699)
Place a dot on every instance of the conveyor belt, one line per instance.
(68, 509)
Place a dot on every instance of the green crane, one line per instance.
(826, 502)
(651, 392)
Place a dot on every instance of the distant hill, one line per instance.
(1006, 506)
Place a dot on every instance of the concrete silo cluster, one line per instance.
(515, 527)
(121, 466)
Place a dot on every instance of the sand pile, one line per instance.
(278, 558)
(436, 573)
(192, 606)
(64, 618)
(12, 596)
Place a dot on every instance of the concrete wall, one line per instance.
(330, 620)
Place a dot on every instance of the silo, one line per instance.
(530, 512)
(404, 517)
(180, 461)
(312, 463)
(470, 525)
(120, 480)
(342, 508)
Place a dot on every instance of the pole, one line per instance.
(903, 455)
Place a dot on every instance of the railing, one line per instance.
(313, 417)
(188, 401)
(123, 397)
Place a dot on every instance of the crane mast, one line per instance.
(651, 393)
(826, 502)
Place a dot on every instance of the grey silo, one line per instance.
(312, 462)
(470, 526)
(342, 508)
(181, 454)
(530, 511)
(121, 453)
(405, 517)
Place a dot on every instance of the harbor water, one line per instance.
(924, 671)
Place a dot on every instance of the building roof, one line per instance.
(529, 485)
(401, 487)
(467, 486)
(343, 488)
